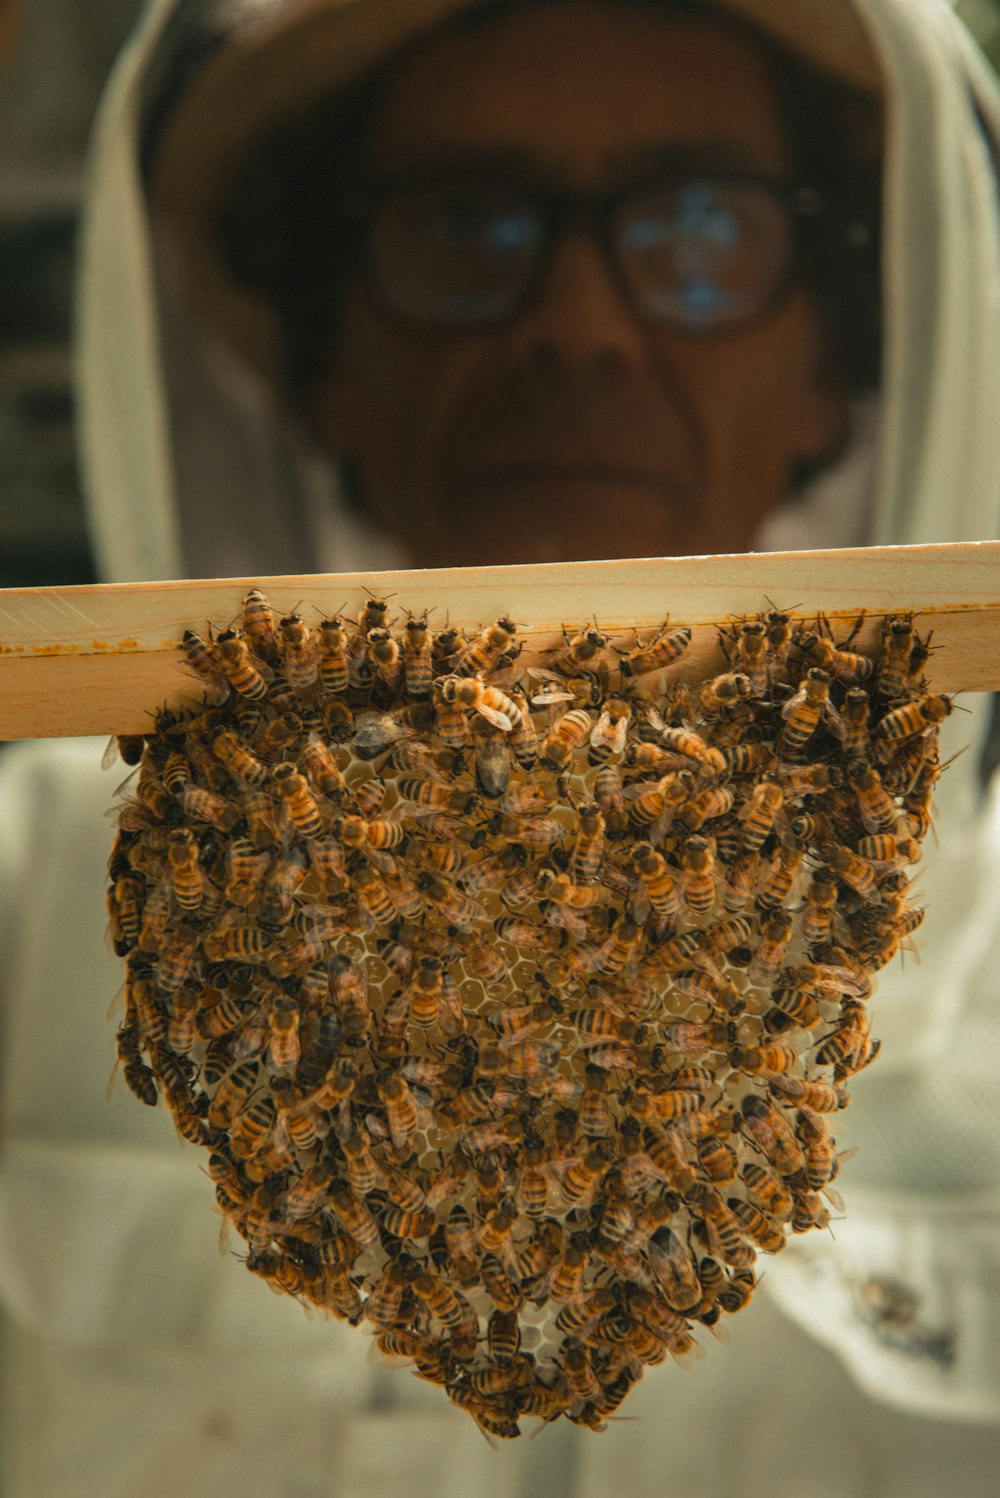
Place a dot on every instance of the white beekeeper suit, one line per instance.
(135, 1358)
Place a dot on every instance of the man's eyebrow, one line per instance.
(668, 159)
(718, 157)
(499, 160)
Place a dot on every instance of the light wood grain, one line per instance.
(101, 659)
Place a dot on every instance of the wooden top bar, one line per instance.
(101, 659)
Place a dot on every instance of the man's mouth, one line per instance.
(560, 473)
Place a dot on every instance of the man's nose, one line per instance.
(579, 311)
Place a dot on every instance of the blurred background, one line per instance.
(54, 58)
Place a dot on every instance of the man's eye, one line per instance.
(500, 232)
(648, 233)
(699, 215)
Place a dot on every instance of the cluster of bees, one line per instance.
(511, 1001)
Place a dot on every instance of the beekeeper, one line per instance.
(382, 282)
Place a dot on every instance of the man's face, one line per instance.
(576, 431)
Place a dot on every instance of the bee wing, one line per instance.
(640, 905)
(498, 719)
(559, 915)
(555, 691)
(694, 1352)
(834, 721)
(379, 859)
(405, 811)
(616, 879)
(793, 702)
(110, 755)
(637, 788)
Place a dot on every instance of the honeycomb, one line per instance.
(511, 1002)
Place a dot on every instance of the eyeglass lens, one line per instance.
(699, 255)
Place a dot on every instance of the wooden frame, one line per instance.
(101, 659)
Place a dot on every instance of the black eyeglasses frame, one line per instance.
(562, 211)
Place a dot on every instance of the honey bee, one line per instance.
(738, 1291)
(386, 1298)
(563, 739)
(855, 871)
(776, 934)
(773, 1136)
(698, 874)
(206, 806)
(718, 1162)
(658, 882)
(238, 760)
(842, 665)
(804, 712)
(445, 646)
(181, 1030)
(608, 735)
(320, 765)
(849, 1044)
(854, 714)
(298, 799)
(354, 1214)
(792, 1006)
(456, 908)
(724, 692)
(878, 810)
(912, 718)
(781, 877)
(757, 1224)
(177, 958)
(484, 653)
(675, 1270)
(706, 806)
(662, 650)
(749, 646)
(492, 759)
(580, 651)
(245, 675)
(758, 814)
(888, 849)
(382, 833)
(283, 1024)
(280, 885)
(821, 1097)
(441, 1301)
(204, 662)
(767, 1190)
(837, 978)
(474, 696)
(401, 1112)
(418, 665)
(372, 892)
(656, 805)
(618, 950)
(139, 1078)
(298, 652)
(529, 1059)
(893, 675)
(258, 624)
(384, 657)
(436, 797)
(185, 871)
(451, 719)
(691, 746)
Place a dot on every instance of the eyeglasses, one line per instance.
(699, 255)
